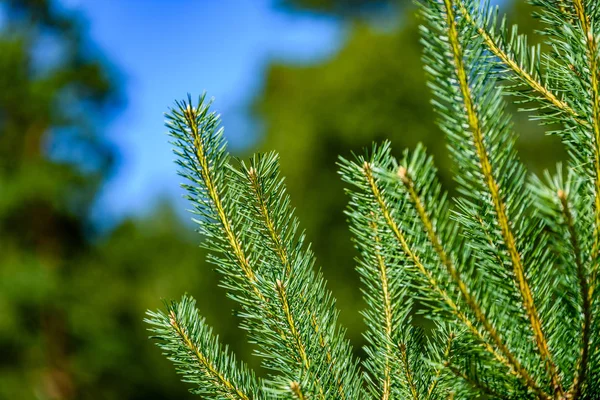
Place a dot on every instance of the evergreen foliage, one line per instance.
(506, 272)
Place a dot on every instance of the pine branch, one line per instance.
(408, 373)
(265, 205)
(404, 177)
(560, 204)
(200, 147)
(516, 56)
(499, 205)
(475, 384)
(440, 369)
(481, 107)
(273, 313)
(189, 343)
(391, 372)
(388, 316)
(363, 170)
(274, 229)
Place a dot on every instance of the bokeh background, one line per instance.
(93, 229)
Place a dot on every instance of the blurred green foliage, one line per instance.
(72, 302)
(346, 8)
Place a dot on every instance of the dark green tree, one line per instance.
(70, 300)
(51, 96)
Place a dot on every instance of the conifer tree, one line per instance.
(507, 271)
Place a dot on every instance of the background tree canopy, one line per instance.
(345, 8)
(72, 301)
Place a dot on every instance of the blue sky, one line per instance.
(165, 49)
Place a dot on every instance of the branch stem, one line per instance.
(299, 343)
(408, 373)
(387, 316)
(582, 363)
(297, 391)
(592, 49)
